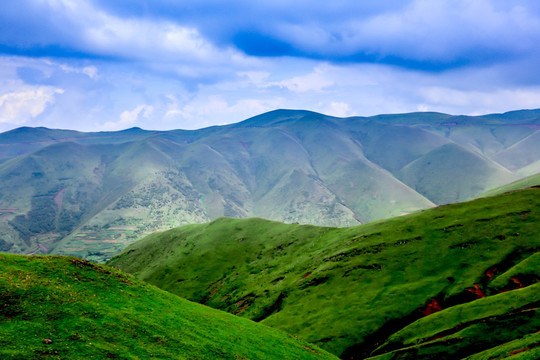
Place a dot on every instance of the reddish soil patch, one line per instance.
(517, 351)
(517, 281)
(43, 248)
(432, 307)
(59, 198)
(305, 276)
(476, 290)
(491, 273)
(309, 349)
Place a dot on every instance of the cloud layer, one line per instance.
(108, 64)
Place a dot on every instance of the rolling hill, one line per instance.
(450, 282)
(68, 308)
(92, 194)
(529, 181)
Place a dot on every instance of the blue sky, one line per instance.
(169, 64)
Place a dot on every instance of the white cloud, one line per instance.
(257, 78)
(150, 40)
(210, 110)
(447, 30)
(130, 117)
(337, 108)
(90, 71)
(480, 102)
(24, 104)
(314, 81)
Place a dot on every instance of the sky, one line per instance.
(99, 65)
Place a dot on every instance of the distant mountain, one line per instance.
(91, 194)
(68, 308)
(446, 283)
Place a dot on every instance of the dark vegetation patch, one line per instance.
(10, 303)
(243, 304)
(211, 291)
(275, 307)
(369, 267)
(450, 228)
(5, 246)
(375, 339)
(517, 213)
(512, 316)
(406, 241)
(314, 282)
(374, 249)
(463, 245)
(363, 237)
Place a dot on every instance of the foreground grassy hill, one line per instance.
(455, 281)
(68, 308)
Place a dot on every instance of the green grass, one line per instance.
(68, 308)
(350, 290)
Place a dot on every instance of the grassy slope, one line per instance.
(351, 289)
(533, 180)
(451, 173)
(522, 153)
(67, 308)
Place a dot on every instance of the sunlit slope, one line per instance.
(356, 291)
(67, 308)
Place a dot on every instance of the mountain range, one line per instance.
(92, 194)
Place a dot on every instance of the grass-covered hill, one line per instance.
(446, 283)
(68, 308)
(91, 194)
(529, 181)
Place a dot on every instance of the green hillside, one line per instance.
(445, 283)
(91, 194)
(522, 153)
(435, 175)
(68, 308)
(530, 181)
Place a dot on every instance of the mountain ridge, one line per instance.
(287, 165)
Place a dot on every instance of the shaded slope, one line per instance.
(67, 308)
(451, 173)
(522, 153)
(351, 289)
